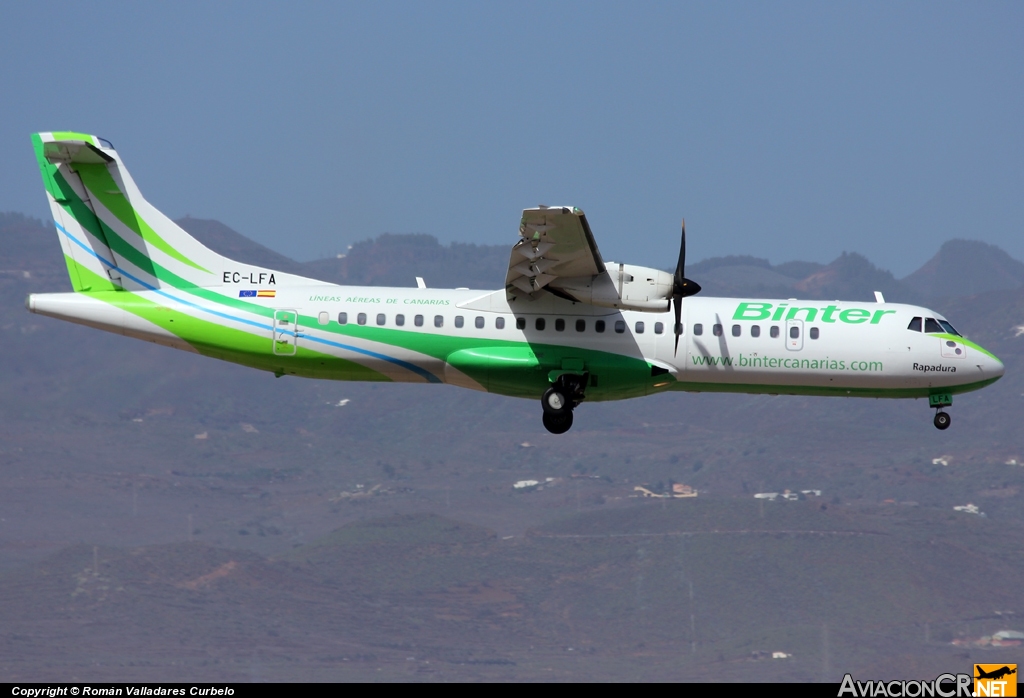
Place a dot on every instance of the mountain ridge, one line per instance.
(393, 259)
(960, 268)
(965, 268)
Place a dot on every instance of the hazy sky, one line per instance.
(782, 130)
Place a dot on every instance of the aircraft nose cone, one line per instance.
(991, 367)
(997, 367)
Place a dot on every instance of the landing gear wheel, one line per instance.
(558, 423)
(555, 402)
(560, 399)
(942, 420)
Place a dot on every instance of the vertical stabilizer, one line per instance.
(112, 238)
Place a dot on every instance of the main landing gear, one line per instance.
(557, 423)
(560, 400)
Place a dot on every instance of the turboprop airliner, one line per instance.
(566, 328)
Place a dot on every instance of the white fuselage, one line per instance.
(740, 345)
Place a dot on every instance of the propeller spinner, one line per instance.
(681, 288)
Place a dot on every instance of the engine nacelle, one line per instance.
(625, 286)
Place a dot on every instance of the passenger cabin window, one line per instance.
(599, 326)
(418, 321)
(381, 318)
(814, 333)
(736, 331)
(342, 318)
(499, 323)
(361, 318)
(459, 321)
(324, 318)
(716, 330)
(659, 328)
(400, 320)
(774, 332)
(915, 325)
(559, 325)
(932, 325)
(439, 321)
(755, 330)
(794, 332)
(949, 328)
(581, 325)
(698, 329)
(639, 327)
(539, 324)
(520, 323)
(620, 326)
(479, 322)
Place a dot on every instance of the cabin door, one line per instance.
(286, 332)
(794, 335)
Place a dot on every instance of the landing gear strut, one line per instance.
(560, 400)
(942, 420)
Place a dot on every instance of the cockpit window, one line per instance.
(915, 325)
(949, 328)
(931, 325)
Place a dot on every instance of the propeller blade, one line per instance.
(681, 287)
(678, 284)
(681, 264)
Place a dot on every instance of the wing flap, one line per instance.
(555, 243)
(557, 253)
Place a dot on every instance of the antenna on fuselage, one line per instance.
(681, 288)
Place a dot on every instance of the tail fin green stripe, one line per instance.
(63, 196)
(125, 250)
(74, 136)
(82, 213)
(101, 185)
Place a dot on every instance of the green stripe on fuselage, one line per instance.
(618, 376)
(811, 390)
(237, 346)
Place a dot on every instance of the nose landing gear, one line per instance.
(560, 400)
(938, 401)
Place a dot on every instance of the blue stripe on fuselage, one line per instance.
(430, 377)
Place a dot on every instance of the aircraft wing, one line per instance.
(557, 253)
(555, 243)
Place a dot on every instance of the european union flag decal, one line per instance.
(247, 294)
